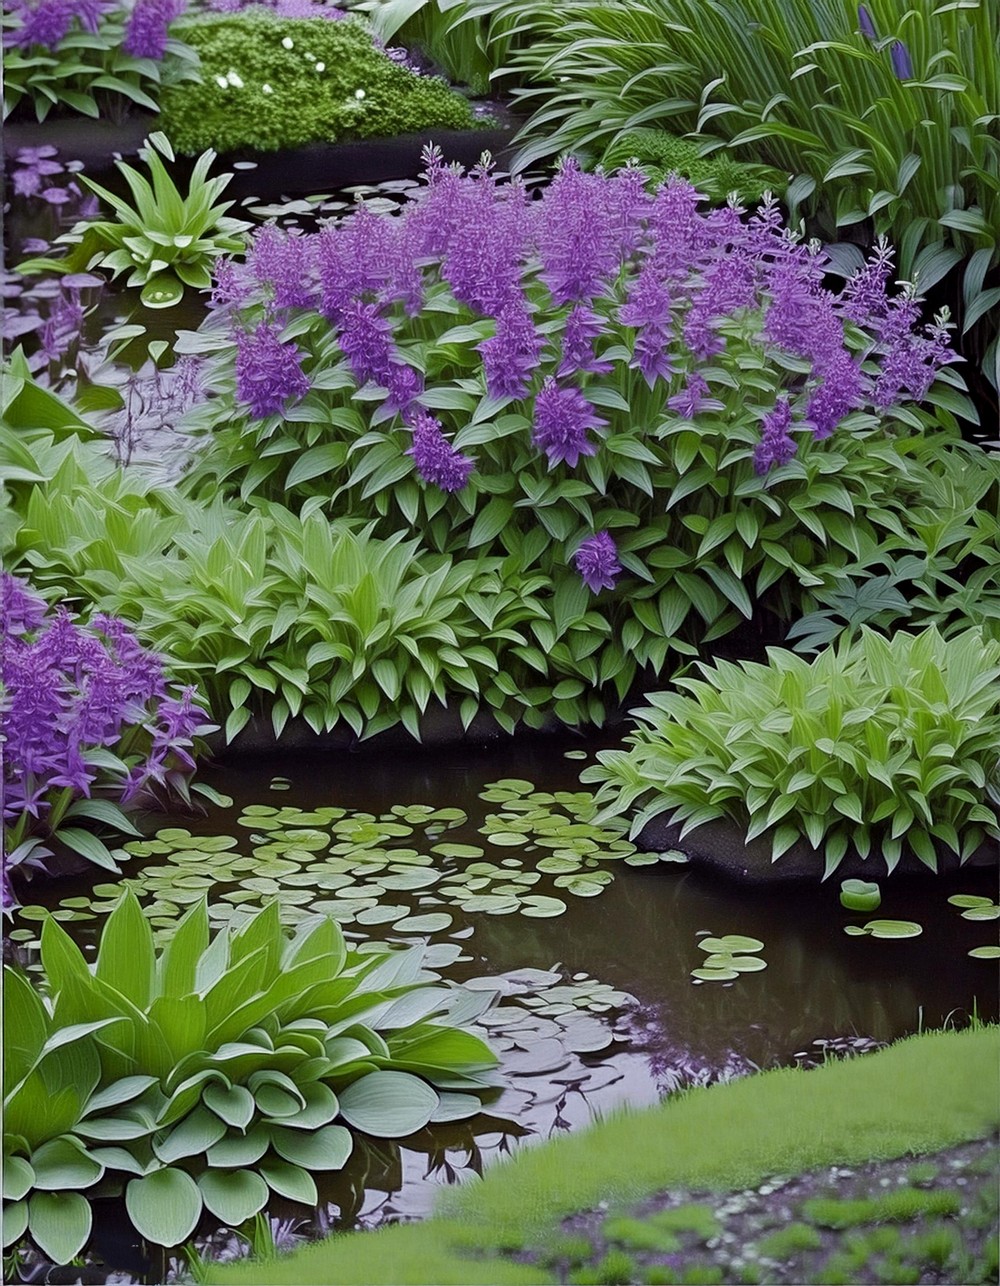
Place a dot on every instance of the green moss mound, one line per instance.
(271, 82)
(661, 154)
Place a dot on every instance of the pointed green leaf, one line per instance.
(59, 1224)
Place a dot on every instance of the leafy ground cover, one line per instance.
(921, 1096)
(270, 82)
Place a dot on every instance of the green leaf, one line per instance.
(193, 1135)
(325, 1149)
(126, 956)
(89, 846)
(388, 1105)
(18, 1177)
(290, 1181)
(235, 1105)
(64, 1163)
(233, 1195)
(15, 1221)
(59, 1224)
(164, 1206)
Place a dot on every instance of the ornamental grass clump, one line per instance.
(518, 376)
(89, 727)
(886, 745)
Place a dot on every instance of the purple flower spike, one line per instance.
(902, 64)
(865, 23)
(597, 562)
(268, 372)
(436, 460)
(776, 446)
(562, 418)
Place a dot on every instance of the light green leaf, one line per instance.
(164, 1206)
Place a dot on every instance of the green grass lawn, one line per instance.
(921, 1095)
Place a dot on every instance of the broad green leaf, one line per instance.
(194, 1135)
(290, 1181)
(18, 1177)
(324, 1149)
(164, 1206)
(388, 1105)
(235, 1106)
(233, 1195)
(59, 1224)
(64, 1163)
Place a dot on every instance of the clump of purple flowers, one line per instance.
(76, 700)
(597, 562)
(148, 26)
(599, 294)
(435, 459)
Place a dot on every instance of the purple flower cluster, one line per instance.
(47, 23)
(597, 277)
(268, 372)
(435, 459)
(69, 690)
(34, 170)
(148, 27)
(562, 417)
(776, 445)
(597, 562)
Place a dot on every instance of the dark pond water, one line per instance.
(596, 1005)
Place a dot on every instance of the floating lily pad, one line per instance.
(969, 900)
(714, 975)
(742, 964)
(980, 953)
(574, 754)
(536, 906)
(982, 913)
(893, 929)
(433, 923)
(731, 944)
(860, 895)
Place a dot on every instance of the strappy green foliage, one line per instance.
(893, 742)
(661, 154)
(215, 1072)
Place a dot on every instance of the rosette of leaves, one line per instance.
(87, 70)
(889, 744)
(165, 240)
(219, 1071)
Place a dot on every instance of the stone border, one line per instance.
(719, 847)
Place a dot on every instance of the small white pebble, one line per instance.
(359, 94)
(222, 82)
(266, 89)
(288, 42)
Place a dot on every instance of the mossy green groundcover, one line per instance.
(269, 82)
(923, 1094)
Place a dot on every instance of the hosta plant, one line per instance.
(887, 744)
(165, 240)
(218, 1071)
(89, 726)
(78, 56)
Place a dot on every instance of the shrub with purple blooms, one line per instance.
(605, 383)
(89, 727)
(90, 56)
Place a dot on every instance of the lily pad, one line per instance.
(893, 928)
(536, 906)
(714, 975)
(731, 944)
(985, 953)
(982, 913)
(860, 895)
(969, 900)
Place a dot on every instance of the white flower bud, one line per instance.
(235, 79)
(359, 94)
(288, 42)
(321, 66)
(222, 82)
(266, 89)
